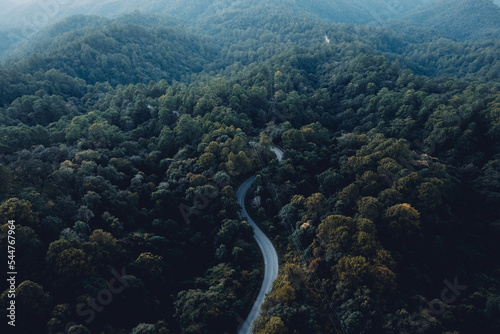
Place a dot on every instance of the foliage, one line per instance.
(123, 143)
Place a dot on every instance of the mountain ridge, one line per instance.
(460, 19)
(20, 23)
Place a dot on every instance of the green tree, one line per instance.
(6, 181)
(401, 220)
(265, 140)
(20, 211)
(109, 250)
(73, 264)
(313, 203)
(275, 326)
(149, 265)
(353, 271)
(34, 303)
(369, 207)
(187, 130)
(293, 139)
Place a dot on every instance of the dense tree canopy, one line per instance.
(123, 143)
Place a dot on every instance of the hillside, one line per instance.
(20, 23)
(460, 19)
(138, 48)
(124, 140)
(375, 12)
(357, 11)
(115, 51)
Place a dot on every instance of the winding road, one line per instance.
(268, 252)
(279, 152)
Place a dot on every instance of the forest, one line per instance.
(123, 142)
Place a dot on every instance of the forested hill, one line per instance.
(123, 142)
(460, 19)
(19, 22)
(138, 48)
(130, 49)
(119, 51)
(356, 11)
(375, 12)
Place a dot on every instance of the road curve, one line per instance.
(279, 152)
(270, 260)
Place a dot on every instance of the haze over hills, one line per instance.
(172, 47)
(356, 11)
(460, 19)
(155, 51)
(438, 18)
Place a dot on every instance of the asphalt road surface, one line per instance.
(279, 152)
(268, 252)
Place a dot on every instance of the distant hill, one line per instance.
(360, 11)
(460, 19)
(7, 5)
(35, 14)
(131, 48)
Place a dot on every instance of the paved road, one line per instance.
(268, 252)
(279, 152)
